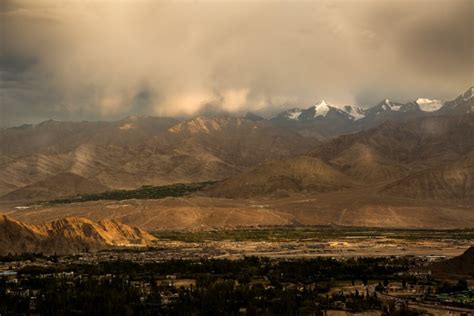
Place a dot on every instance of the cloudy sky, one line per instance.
(103, 59)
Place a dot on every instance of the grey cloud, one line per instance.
(103, 60)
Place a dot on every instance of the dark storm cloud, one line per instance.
(15, 65)
(441, 44)
(101, 59)
(432, 45)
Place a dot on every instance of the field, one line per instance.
(309, 242)
(318, 233)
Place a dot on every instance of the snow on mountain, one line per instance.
(461, 105)
(356, 112)
(468, 94)
(386, 109)
(387, 106)
(321, 109)
(390, 105)
(294, 114)
(291, 114)
(428, 105)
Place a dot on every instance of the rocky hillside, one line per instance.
(68, 235)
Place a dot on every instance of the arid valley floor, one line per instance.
(345, 208)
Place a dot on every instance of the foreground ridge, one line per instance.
(68, 235)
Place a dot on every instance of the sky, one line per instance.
(105, 59)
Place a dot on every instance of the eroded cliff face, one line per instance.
(68, 235)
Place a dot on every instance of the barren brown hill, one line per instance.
(360, 161)
(16, 237)
(454, 181)
(461, 265)
(383, 152)
(79, 233)
(67, 235)
(302, 173)
(60, 185)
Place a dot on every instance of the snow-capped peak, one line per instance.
(322, 103)
(428, 105)
(389, 105)
(386, 104)
(424, 101)
(321, 109)
(356, 112)
(352, 110)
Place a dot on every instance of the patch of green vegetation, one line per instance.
(144, 192)
(312, 233)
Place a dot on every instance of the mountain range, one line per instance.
(135, 152)
(420, 150)
(425, 158)
(325, 120)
